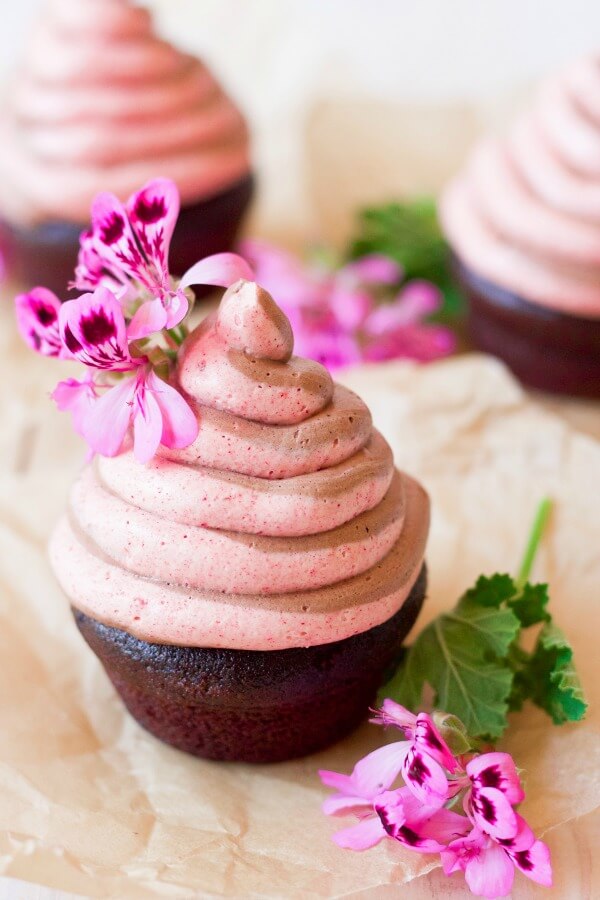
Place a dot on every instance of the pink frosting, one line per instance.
(196, 550)
(101, 103)
(525, 213)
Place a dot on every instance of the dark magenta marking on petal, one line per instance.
(430, 737)
(150, 212)
(490, 777)
(112, 229)
(71, 342)
(46, 315)
(524, 860)
(487, 809)
(408, 836)
(97, 328)
(417, 770)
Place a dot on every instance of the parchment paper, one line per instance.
(91, 804)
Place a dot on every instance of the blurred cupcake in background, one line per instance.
(523, 220)
(100, 103)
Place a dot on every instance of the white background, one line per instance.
(356, 100)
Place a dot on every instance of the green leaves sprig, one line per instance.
(474, 660)
(409, 233)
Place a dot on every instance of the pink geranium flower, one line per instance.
(489, 865)
(37, 320)
(355, 313)
(427, 754)
(156, 411)
(425, 829)
(495, 789)
(93, 329)
(127, 250)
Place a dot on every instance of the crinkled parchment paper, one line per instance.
(90, 804)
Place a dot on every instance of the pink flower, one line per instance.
(426, 757)
(130, 244)
(357, 793)
(489, 865)
(37, 321)
(93, 329)
(352, 314)
(426, 829)
(495, 788)
(76, 397)
(155, 410)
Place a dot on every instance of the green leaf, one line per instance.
(455, 655)
(491, 591)
(409, 232)
(530, 605)
(553, 681)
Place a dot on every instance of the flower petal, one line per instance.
(92, 327)
(374, 268)
(105, 427)
(337, 780)
(428, 739)
(497, 770)
(421, 828)
(150, 318)
(535, 863)
(377, 771)
(344, 805)
(493, 813)
(37, 320)
(76, 397)
(425, 778)
(179, 423)
(392, 713)
(176, 305)
(115, 242)
(362, 836)
(153, 213)
(490, 873)
(350, 307)
(522, 840)
(221, 269)
(147, 424)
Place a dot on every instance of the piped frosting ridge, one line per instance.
(101, 103)
(277, 528)
(525, 213)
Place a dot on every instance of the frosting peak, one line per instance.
(100, 102)
(249, 320)
(285, 524)
(525, 213)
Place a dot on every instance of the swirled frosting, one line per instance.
(525, 214)
(284, 524)
(101, 103)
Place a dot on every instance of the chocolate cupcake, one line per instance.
(100, 103)
(523, 220)
(247, 594)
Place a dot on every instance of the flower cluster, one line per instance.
(355, 313)
(487, 841)
(127, 326)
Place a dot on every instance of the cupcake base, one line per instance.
(47, 254)
(546, 349)
(246, 705)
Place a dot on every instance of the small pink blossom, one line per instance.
(156, 411)
(425, 829)
(357, 793)
(93, 329)
(495, 788)
(37, 320)
(354, 313)
(489, 865)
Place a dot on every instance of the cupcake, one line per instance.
(523, 221)
(248, 594)
(100, 103)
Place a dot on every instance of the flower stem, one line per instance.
(172, 338)
(533, 543)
